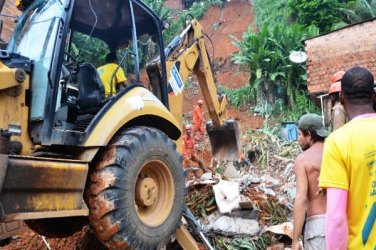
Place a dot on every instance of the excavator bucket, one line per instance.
(225, 142)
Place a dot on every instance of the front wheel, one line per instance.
(136, 192)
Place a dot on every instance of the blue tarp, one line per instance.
(289, 131)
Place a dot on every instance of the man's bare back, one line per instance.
(311, 159)
(309, 205)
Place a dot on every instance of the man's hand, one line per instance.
(295, 245)
(321, 191)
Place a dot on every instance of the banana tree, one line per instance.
(266, 53)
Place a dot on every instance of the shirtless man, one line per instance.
(307, 170)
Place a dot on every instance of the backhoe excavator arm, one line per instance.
(189, 53)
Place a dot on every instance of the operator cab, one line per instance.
(66, 42)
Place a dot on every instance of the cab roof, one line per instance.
(111, 21)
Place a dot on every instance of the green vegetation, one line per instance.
(277, 213)
(322, 13)
(238, 97)
(277, 85)
(329, 15)
(263, 8)
(94, 50)
(196, 11)
(259, 242)
(303, 106)
(273, 76)
(89, 49)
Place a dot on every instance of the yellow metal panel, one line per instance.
(34, 184)
(13, 108)
(8, 79)
(185, 239)
(137, 102)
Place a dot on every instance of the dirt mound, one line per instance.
(221, 24)
(192, 94)
(81, 240)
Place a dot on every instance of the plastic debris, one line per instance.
(227, 196)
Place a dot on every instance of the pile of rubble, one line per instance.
(248, 204)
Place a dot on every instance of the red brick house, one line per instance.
(354, 45)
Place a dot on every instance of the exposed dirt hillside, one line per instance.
(220, 24)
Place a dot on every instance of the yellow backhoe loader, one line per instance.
(69, 156)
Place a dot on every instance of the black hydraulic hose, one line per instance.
(211, 42)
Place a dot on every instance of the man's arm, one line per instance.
(120, 78)
(300, 203)
(336, 221)
(339, 118)
(124, 84)
(200, 116)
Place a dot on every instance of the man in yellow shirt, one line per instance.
(348, 170)
(107, 71)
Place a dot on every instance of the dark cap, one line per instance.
(313, 122)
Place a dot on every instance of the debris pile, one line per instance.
(248, 204)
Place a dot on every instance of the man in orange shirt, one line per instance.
(198, 119)
(189, 150)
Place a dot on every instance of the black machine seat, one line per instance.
(90, 89)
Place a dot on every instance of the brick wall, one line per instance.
(8, 23)
(340, 50)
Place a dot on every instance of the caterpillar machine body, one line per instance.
(71, 157)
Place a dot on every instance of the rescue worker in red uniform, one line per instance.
(189, 150)
(198, 119)
(338, 115)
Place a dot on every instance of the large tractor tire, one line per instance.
(136, 192)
